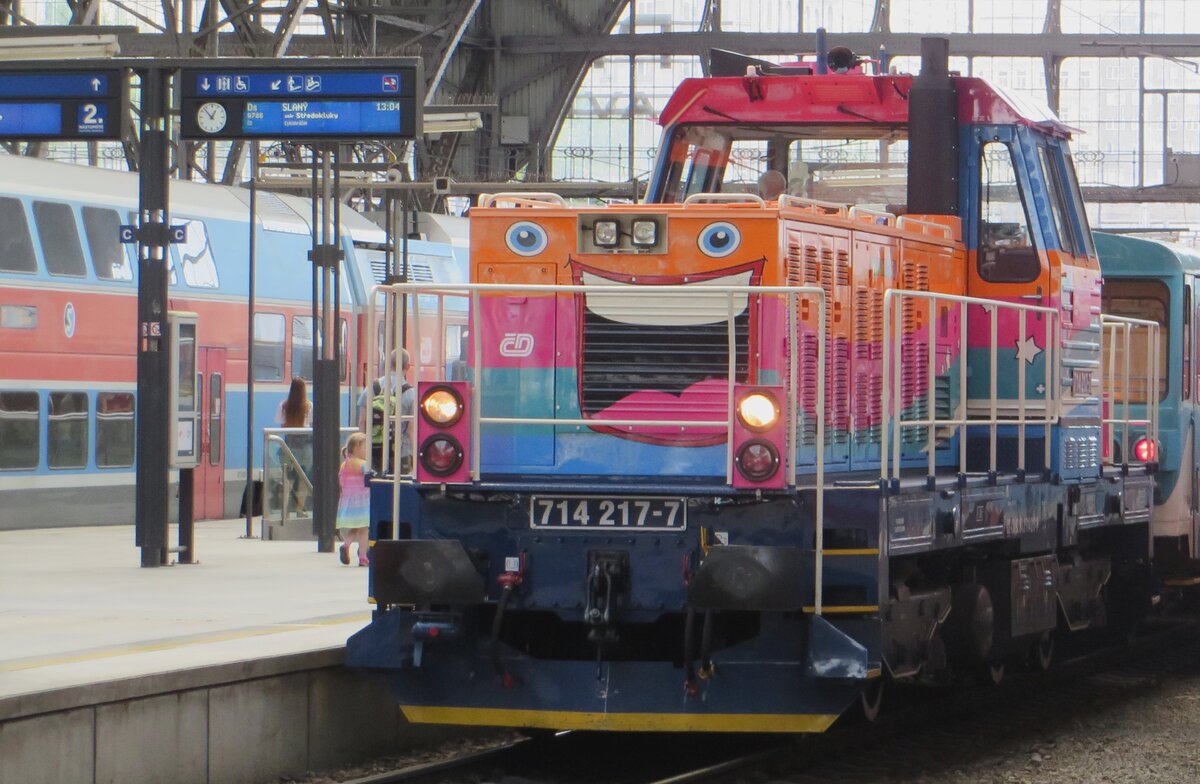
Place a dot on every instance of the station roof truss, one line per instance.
(509, 59)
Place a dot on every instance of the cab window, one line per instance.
(1056, 198)
(1006, 250)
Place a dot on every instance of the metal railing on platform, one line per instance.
(287, 484)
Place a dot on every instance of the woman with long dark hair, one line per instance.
(296, 411)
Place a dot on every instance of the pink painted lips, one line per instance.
(645, 358)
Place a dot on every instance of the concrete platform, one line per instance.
(75, 607)
(226, 670)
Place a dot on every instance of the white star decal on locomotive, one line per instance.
(1028, 350)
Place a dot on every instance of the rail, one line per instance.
(894, 336)
(735, 298)
(1117, 332)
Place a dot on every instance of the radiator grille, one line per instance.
(620, 359)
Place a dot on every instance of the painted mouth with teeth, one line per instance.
(645, 357)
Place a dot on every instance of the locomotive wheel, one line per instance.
(973, 617)
(870, 700)
(1043, 651)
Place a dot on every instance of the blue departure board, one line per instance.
(59, 85)
(51, 105)
(307, 104)
(30, 119)
(322, 117)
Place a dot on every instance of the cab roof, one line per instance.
(851, 99)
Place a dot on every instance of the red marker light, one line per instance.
(1145, 450)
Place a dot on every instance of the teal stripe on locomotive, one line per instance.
(520, 448)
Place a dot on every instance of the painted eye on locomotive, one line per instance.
(526, 238)
(720, 239)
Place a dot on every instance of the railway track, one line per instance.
(923, 725)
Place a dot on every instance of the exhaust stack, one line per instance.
(933, 134)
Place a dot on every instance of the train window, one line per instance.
(1006, 250)
(1055, 196)
(67, 432)
(196, 257)
(214, 419)
(16, 244)
(303, 341)
(1081, 218)
(1141, 299)
(109, 259)
(269, 333)
(59, 238)
(19, 429)
(343, 335)
(114, 429)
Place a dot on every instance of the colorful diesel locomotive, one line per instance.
(728, 460)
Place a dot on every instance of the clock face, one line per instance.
(211, 117)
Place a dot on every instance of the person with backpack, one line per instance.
(372, 405)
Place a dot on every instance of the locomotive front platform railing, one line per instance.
(424, 304)
(991, 412)
(1122, 387)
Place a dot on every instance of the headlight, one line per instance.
(442, 406)
(645, 232)
(605, 233)
(758, 411)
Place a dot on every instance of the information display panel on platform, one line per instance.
(311, 104)
(61, 105)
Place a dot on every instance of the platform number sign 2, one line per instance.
(93, 118)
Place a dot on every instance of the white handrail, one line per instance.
(523, 199)
(1118, 330)
(892, 404)
(724, 198)
(813, 205)
(868, 215)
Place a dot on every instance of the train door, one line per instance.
(210, 472)
(1012, 265)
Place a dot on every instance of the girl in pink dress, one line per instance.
(354, 506)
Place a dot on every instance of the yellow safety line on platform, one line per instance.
(183, 642)
(859, 551)
(594, 720)
(1183, 582)
(845, 608)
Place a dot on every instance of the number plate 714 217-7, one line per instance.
(643, 514)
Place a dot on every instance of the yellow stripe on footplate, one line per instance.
(621, 722)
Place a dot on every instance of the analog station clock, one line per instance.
(211, 117)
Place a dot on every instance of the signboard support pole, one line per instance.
(326, 305)
(153, 377)
(248, 499)
(187, 517)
